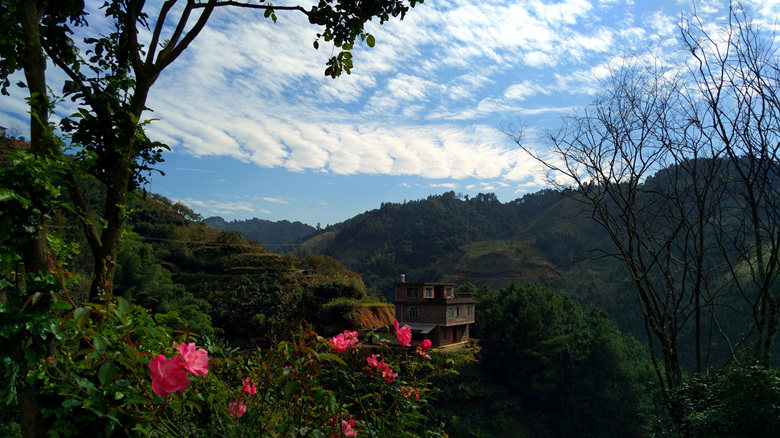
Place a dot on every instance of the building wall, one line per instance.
(438, 341)
(436, 310)
(436, 313)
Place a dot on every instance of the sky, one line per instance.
(257, 130)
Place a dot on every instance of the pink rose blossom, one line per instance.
(346, 427)
(352, 337)
(382, 367)
(423, 347)
(342, 341)
(195, 361)
(372, 362)
(236, 409)
(339, 343)
(168, 376)
(248, 387)
(404, 334)
(388, 374)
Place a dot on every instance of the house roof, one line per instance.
(403, 283)
(420, 327)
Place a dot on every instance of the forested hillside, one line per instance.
(457, 238)
(549, 237)
(267, 232)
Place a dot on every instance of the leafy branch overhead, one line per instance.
(343, 22)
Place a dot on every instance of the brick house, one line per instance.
(433, 312)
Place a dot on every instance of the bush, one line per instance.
(737, 401)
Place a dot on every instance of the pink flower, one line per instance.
(388, 374)
(423, 347)
(339, 343)
(195, 361)
(346, 427)
(406, 391)
(168, 376)
(248, 387)
(372, 362)
(416, 395)
(352, 337)
(288, 367)
(404, 334)
(342, 341)
(236, 409)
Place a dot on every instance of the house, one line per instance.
(433, 312)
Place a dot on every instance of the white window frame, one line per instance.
(428, 292)
(412, 292)
(412, 312)
(450, 312)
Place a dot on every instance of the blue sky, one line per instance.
(257, 130)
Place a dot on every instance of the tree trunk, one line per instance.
(33, 251)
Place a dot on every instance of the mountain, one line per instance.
(542, 237)
(266, 232)
(452, 237)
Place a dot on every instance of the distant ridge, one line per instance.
(267, 232)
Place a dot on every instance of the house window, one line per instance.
(448, 292)
(444, 335)
(428, 292)
(451, 312)
(470, 311)
(412, 312)
(411, 292)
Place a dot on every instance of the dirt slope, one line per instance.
(377, 316)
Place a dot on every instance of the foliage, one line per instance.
(141, 279)
(571, 367)
(27, 195)
(98, 383)
(302, 384)
(736, 401)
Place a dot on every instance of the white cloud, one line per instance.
(211, 207)
(426, 100)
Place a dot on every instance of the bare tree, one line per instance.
(738, 74)
(679, 164)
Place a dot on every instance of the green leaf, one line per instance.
(100, 345)
(291, 388)
(70, 403)
(124, 307)
(107, 372)
(8, 194)
(370, 41)
(81, 315)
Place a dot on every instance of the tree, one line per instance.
(738, 76)
(572, 368)
(701, 237)
(111, 86)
